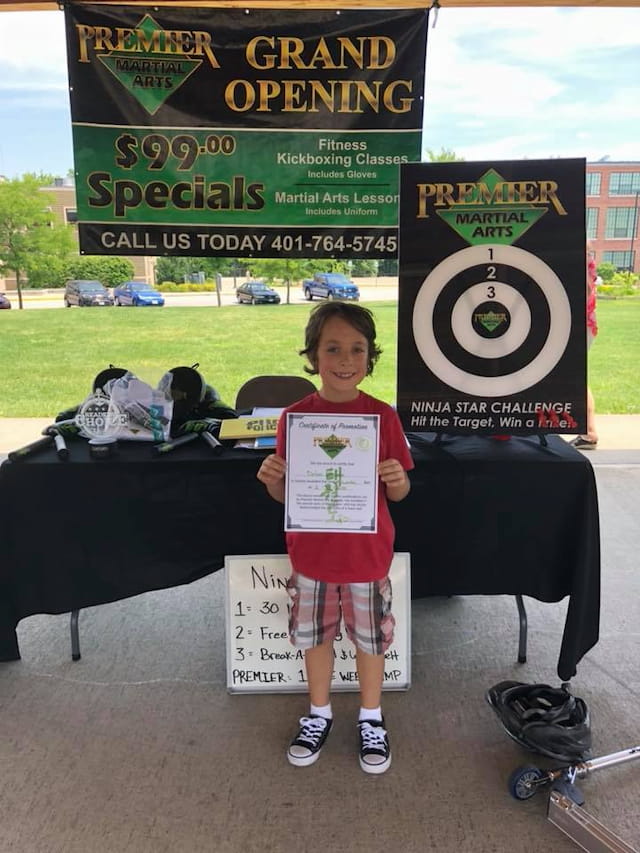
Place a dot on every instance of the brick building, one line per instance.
(613, 212)
(63, 193)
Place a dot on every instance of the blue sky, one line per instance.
(501, 84)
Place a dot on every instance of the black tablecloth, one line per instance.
(483, 517)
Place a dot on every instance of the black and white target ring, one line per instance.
(491, 320)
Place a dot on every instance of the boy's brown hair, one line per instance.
(355, 315)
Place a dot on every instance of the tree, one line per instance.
(28, 232)
(44, 179)
(388, 266)
(179, 269)
(445, 155)
(286, 269)
(365, 267)
(48, 265)
(111, 271)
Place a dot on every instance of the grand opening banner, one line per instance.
(263, 133)
(492, 297)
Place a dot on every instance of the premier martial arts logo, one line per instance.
(356, 75)
(332, 445)
(491, 209)
(490, 319)
(150, 62)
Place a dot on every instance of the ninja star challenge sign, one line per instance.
(491, 312)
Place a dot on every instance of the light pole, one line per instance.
(633, 232)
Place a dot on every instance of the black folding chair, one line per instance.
(272, 391)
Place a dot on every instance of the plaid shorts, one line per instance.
(317, 608)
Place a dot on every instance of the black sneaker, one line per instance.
(375, 752)
(305, 747)
(583, 443)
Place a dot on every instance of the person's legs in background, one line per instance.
(590, 440)
(592, 432)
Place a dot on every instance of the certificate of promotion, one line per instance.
(332, 473)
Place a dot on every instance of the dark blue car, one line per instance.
(256, 293)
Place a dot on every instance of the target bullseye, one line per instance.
(468, 319)
(502, 363)
(490, 319)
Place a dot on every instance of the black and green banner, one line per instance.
(201, 131)
(492, 297)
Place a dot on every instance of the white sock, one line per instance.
(371, 714)
(322, 711)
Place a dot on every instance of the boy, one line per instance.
(344, 574)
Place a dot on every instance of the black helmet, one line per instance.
(107, 375)
(187, 390)
(545, 719)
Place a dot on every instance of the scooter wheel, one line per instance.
(522, 782)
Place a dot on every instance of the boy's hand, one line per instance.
(394, 478)
(272, 470)
(391, 472)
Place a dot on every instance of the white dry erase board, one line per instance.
(260, 657)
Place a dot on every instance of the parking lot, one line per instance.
(371, 290)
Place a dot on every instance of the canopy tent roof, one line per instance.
(47, 5)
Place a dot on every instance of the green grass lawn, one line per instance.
(48, 358)
(614, 358)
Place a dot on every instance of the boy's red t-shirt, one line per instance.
(349, 557)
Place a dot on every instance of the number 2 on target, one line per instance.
(491, 274)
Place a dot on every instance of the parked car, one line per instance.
(4, 301)
(330, 285)
(256, 292)
(86, 293)
(137, 293)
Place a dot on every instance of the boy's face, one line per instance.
(342, 360)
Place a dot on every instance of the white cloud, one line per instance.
(501, 82)
(534, 82)
(33, 42)
(547, 33)
(487, 88)
(24, 86)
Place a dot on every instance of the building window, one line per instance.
(624, 183)
(592, 223)
(593, 183)
(620, 222)
(622, 260)
(70, 215)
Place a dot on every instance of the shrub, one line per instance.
(606, 271)
(188, 287)
(621, 284)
